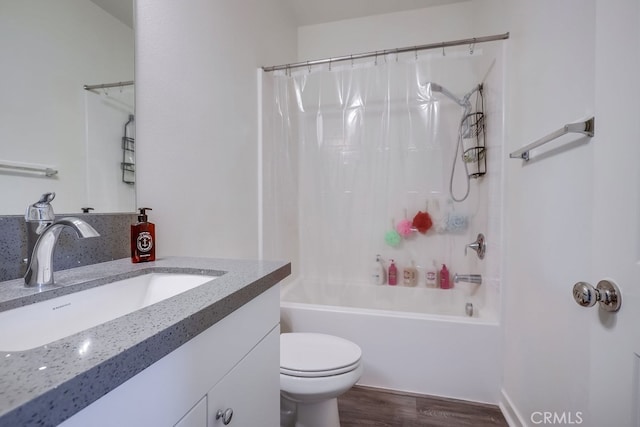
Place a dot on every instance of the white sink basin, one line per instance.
(41, 323)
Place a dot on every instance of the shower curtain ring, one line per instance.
(329, 64)
(309, 66)
(415, 51)
(443, 52)
(351, 61)
(472, 46)
(397, 54)
(375, 62)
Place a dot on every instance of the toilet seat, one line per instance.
(311, 355)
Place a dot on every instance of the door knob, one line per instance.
(606, 293)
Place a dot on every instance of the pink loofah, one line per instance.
(404, 228)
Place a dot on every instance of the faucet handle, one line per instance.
(42, 209)
(480, 246)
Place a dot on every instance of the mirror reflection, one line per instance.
(55, 135)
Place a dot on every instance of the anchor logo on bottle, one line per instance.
(145, 241)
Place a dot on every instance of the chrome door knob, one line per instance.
(606, 293)
(226, 415)
(584, 294)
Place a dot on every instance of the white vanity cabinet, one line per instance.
(241, 390)
(196, 417)
(232, 365)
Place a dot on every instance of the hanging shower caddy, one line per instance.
(128, 164)
(474, 154)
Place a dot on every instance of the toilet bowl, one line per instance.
(314, 370)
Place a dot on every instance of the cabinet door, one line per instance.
(196, 417)
(251, 389)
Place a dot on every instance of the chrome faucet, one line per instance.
(468, 278)
(39, 216)
(42, 235)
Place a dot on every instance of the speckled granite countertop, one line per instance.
(123, 347)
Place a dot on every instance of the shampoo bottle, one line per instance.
(410, 275)
(445, 282)
(431, 276)
(393, 274)
(143, 239)
(379, 273)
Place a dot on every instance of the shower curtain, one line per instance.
(351, 149)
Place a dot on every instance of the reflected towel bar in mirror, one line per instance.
(26, 167)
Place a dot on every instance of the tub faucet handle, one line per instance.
(480, 246)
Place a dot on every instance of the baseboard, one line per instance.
(422, 395)
(509, 411)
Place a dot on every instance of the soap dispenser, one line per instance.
(445, 280)
(143, 239)
(393, 274)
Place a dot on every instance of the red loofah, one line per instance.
(422, 222)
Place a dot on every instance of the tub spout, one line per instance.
(468, 278)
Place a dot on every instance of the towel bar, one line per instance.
(587, 128)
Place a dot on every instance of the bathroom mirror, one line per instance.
(55, 136)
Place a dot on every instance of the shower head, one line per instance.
(463, 102)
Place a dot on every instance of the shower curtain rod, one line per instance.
(108, 85)
(440, 45)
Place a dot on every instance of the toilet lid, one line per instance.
(312, 355)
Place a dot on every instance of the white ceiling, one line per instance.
(120, 9)
(306, 12)
(309, 12)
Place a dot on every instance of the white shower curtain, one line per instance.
(350, 150)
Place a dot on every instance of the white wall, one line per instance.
(49, 51)
(389, 31)
(197, 122)
(550, 82)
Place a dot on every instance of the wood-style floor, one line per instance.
(363, 406)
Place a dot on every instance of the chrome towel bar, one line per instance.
(24, 167)
(587, 128)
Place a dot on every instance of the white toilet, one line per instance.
(314, 370)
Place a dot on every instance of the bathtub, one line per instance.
(414, 340)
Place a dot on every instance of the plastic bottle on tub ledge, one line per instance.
(445, 279)
(410, 275)
(379, 273)
(393, 274)
(431, 276)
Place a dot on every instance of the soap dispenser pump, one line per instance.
(143, 239)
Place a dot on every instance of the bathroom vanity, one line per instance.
(198, 358)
